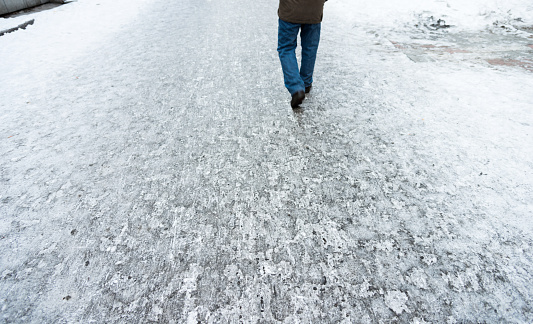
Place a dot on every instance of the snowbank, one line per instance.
(461, 14)
(61, 34)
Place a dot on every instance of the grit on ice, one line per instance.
(152, 169)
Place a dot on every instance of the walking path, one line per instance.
(159, 174)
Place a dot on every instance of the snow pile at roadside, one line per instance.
(460, 14)
(62, 33)
(59, 36)
(8, 23)
(78, 16)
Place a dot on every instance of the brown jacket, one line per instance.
(301, 11)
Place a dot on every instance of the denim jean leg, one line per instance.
(287, 42)
(310, 38)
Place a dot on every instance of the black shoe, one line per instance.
(307, 89)
(297, 99)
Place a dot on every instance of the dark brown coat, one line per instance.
(301, 11)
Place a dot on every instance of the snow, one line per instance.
(396, 300)
(61, 35)
(463, 15)
(152, 169)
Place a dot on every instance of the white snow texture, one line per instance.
(152, 169)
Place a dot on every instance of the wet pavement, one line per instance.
(163, 177)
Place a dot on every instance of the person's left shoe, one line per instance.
(308, 89)
(297, 99)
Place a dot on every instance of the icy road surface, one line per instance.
(151, 169)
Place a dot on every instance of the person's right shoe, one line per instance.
(297, 99)
(307, 89)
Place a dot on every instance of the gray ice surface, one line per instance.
(163, 177)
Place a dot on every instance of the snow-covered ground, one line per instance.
(464, 15)
(61, 35)
(151, 168)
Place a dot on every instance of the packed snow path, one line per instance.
(162, 176)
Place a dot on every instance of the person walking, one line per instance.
(304, 16)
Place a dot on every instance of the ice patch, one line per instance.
(417, 320)
(418, 278)
(192, 318)
(396, 300)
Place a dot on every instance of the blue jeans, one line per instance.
(297, 79)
